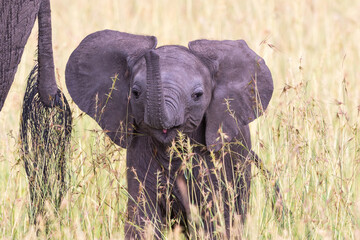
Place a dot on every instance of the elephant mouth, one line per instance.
(165, 136)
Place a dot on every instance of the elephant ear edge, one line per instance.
(98, 79)
(243, 87)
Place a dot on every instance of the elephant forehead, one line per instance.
(183, 76)
(180, 59)
(177, 64)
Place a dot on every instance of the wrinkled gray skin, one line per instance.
(142, 96)
(17, 19)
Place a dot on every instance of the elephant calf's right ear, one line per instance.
(97, 78)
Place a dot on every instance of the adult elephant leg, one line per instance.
(17, 18)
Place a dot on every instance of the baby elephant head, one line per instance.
(131, 87)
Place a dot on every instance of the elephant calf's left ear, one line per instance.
(243, 86)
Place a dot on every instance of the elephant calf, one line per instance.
(143, 96)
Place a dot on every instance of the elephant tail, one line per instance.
(45, 126)
(45, 134)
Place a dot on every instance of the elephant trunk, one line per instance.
(46, 79)
(155, 113)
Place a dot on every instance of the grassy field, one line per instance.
(309, 136)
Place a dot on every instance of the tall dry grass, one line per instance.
(309, 137)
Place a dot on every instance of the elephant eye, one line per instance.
(197, 95)
(136, 92)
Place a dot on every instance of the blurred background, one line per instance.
(309, 136)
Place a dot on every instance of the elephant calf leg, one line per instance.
(142, 221)
(144, 216)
